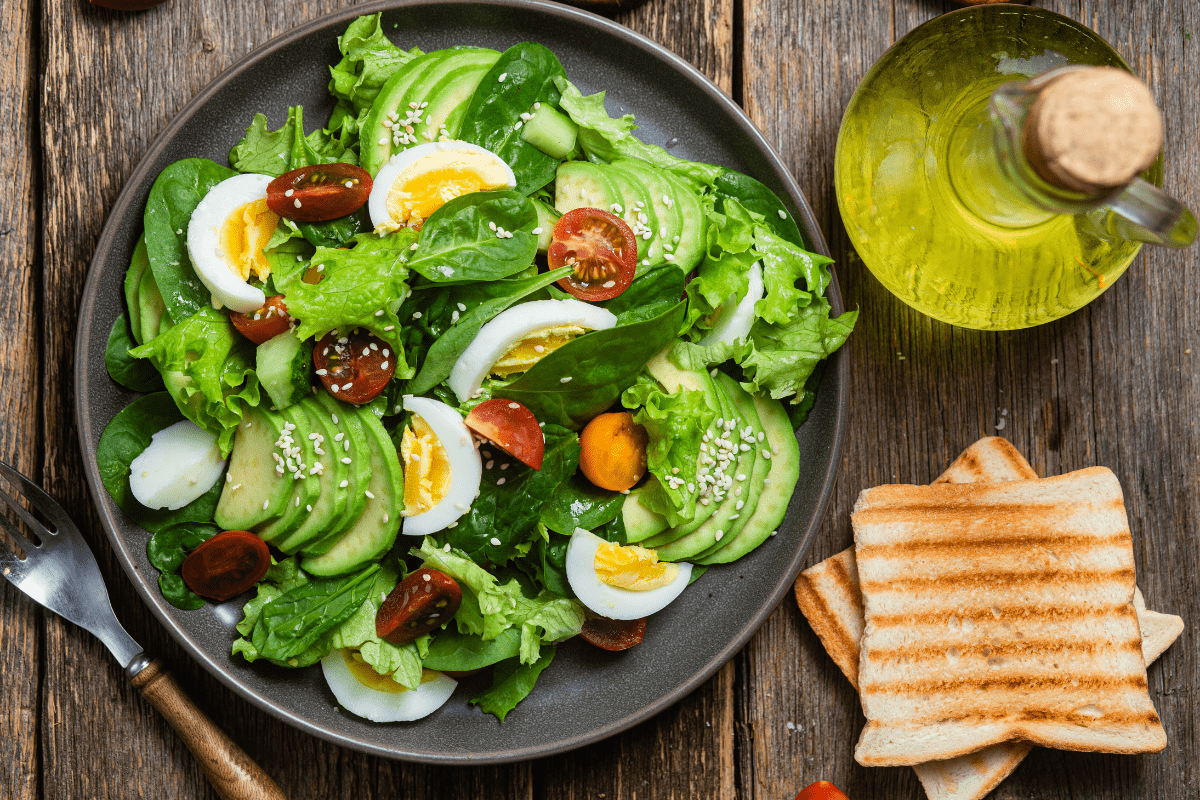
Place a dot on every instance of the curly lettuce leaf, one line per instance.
(269, 152)
(208, 369)
(512, 681)
(368, 60)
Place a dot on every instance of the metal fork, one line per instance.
(61, 574)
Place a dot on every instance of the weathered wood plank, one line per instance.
(1110, 385)
(20, 377)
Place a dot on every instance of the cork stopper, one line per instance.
(1093, 130)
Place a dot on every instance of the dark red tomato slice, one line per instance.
(226, 565)
(319, 193)
(601, 249)
(266, 323)
(614, 634)
(512, 427)
(821, 790)
(423, 601)
(355, 367)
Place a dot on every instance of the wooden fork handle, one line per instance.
(233, 774)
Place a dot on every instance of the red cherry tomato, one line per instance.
(226, 565)
(601, 249)
(319, 193)
(512, 427)
(423, 601)
(614, 634)
(355, 367)
(266, 323)
(821, 790)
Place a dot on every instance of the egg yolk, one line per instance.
(426, 468)
(532, 348)
(429, 183)
(632, 567)
(244, 235)
(365, 674)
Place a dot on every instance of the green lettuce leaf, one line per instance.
(368, 60)
(512, 681)
(209, 370)
(269, 152)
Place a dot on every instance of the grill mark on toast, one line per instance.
(1018, 649)
(1067, 543)
(991, 578)
(1009, 612)
(1075, 683)
(1024, 515)
(849, 586)
(828, 626)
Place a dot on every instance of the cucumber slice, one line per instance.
(253, 491)
(547, 219)
(551, 131)
(285, 369)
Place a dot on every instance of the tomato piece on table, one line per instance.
(512, 427)
(613, 451)
(266, 323)
(601, 249)
(614, 634)
(226, 565)
(821, 790)
(319, 193)
(425, 600)
(354, 367)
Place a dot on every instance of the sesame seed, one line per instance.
(489, 465)
(368, 494)
(766, 454)
(537, 231)
(334, 418)
(782, 214)
(347, 460)
(265, 504)
(503, 75)
(495, 542)
(501, 481)
(461, 307)
(565, 380)
(322, 372)
(344, 484)
(514, 405)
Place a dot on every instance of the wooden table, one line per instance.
(83, 92)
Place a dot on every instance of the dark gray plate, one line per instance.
(586, 694)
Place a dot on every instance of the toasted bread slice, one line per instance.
(997, 612)
(829, 596)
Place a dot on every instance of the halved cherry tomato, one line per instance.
(226, 565)
(266, 323)
(425, 600)
(614, 634)
(600, 247)
(821, 790)
(512, 427)
(319, 193)
(354, 367)
(613, 451)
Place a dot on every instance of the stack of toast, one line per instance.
(986, 613)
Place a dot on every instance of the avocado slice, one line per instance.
(639, 214)
(151, 308)
(345, 421)
(640, 522)
(713, 529)
(777, 486)
(253, 491)
(582, 184)
(331, 500)
(666, 205)
(446, 92)
(375, 138)
(374, 532)
(693, 237)
(306, 488)
(547, 218)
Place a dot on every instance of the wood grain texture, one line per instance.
(1111, 385)
(20, 307)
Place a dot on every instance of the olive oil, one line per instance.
(922, 188)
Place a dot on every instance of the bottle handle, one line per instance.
(1144, 213)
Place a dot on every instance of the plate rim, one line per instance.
(87, 442)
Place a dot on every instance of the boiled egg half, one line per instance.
(361, 690)
(442, 468)
(225, 240)
(182, 462)
(517, 338)
(734, 319)
(418, 181)
(621, 581)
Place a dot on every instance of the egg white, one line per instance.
(466, 468)
(733, 321)
(510, 326)
(181, 463)
(613, 601)
(389, 172)
(204, 241)
(378, 706)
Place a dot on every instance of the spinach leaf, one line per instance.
(452, 335)
(176, 192)
(461, 241)
(651, 294)
(294, 621)
(511, 498)
(462, 652)
(123, 440)
(596, 368)
(550, 555)
(368, 60)
(512, 682)
(336, 232)
(756, 197)
(494, 121)
(130, 372)
(579, 503)
(166, 550)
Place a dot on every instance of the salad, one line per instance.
(467, 372)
